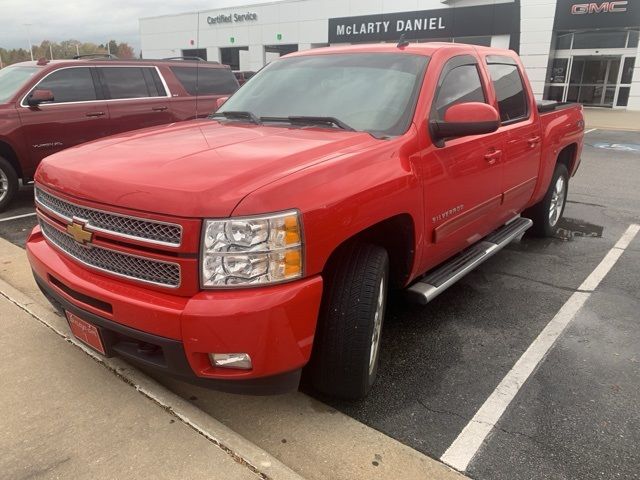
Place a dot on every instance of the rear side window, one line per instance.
(131, 82)
(512, 99)
(206, 81)
(460, 85)
(70, 85)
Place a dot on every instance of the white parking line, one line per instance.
(590, 130)
(17, 217)
(467, 444)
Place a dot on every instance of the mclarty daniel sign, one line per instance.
(439, 23)
(576, 14)
(232, 18)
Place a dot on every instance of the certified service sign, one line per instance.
(232, 18)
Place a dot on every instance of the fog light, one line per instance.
(231, 360)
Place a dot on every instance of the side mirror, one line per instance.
(37, 97)
(472, 118)
(220, 101)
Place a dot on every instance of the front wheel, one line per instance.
(347, 344)
(8, 183)
(547, 213)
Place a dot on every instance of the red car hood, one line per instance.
(198, 168)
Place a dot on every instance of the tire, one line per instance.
(345, 359)
(545, 221)
(8, 183)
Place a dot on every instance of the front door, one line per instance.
(593, 80)
(462, 177)
(77, 114)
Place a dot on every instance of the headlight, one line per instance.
(251, 250)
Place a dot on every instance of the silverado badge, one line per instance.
(79, 234)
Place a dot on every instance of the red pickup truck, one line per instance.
(236, 250)
(47, 106)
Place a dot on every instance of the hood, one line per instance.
(199, 168)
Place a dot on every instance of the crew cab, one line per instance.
(47, 106)
(245, 247)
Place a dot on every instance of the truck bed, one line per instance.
(546, 106)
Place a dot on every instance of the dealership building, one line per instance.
(573, 50)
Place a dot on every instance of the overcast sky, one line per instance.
(89, 20)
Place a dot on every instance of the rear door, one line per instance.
(78, 113)
(462, 177)
(520, 126)
(137, 97)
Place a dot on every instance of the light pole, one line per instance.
(27, 25)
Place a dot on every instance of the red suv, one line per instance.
(47, 106)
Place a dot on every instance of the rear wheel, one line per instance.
(8, 183)
(346, 349)
(547, 213)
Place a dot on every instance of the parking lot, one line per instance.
(575, 417)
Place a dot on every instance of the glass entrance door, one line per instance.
(593, 80)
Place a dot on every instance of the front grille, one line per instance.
(150, 231)
(129, 266)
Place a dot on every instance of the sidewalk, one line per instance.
(609, 119)
(65, 416)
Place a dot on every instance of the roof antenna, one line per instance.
(403, 42)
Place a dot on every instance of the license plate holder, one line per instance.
(86, 332)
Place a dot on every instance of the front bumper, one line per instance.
(274, 325)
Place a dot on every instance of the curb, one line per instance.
(239, 448)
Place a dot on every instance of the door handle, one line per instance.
(159, 109)
(95, 114)
(533, 141)
(493, 157)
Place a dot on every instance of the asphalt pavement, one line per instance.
(577, 416)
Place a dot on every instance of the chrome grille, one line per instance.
(129, 266)
(122, 225)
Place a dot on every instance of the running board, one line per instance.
(438, 280)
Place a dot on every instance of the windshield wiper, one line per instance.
(311, 120)
(238, 115)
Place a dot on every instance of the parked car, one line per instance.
(47, 106)
(264, 239)
(243, 76)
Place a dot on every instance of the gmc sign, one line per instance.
(586, 15)
(605, 7)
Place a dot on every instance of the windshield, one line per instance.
(373, 92)
(12, 78)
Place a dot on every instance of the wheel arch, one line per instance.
(568, 157)
(396, 235)
(9, 154)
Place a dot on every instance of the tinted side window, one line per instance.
(512, 100)
(460, 85)
(206, 81)
(129, 82)
(70, 85)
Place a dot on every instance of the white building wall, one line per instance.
(297, 22)
(634, 94)
(536, 31)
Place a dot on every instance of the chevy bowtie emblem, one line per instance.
(78, 232)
